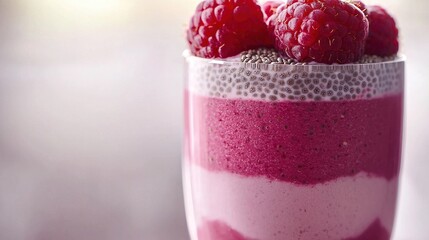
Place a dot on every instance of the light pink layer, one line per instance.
(257, 206)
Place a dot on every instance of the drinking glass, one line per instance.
(288, 152)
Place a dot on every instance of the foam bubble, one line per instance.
(314, 82)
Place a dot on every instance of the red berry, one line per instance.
(224, 28)
(383, 33)
(325, 31)
(359, 4)
(269, 8)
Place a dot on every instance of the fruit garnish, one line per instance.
(224, 28)
(269, 8)
(383, 33)
(324, 31)
(359, 4)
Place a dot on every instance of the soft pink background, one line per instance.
(90, 119)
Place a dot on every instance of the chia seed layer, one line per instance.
(276, 82)
(271, 56)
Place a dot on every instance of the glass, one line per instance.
(281, 152)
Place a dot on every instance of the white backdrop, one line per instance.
(90, 119)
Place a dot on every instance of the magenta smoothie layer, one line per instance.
(285, 141)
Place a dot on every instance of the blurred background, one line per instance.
(91, 116)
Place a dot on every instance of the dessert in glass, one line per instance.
(283, 143)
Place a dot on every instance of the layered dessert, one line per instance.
(286, 138)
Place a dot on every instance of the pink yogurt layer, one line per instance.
(215, 230)
(263, 209)
(298, 142)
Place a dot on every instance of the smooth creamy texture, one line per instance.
(256, 206)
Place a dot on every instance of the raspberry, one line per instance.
(383, 33)
(269, 8)
(224, 28)
(325, 31)
(360, 5)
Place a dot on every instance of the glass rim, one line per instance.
(318, 66)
